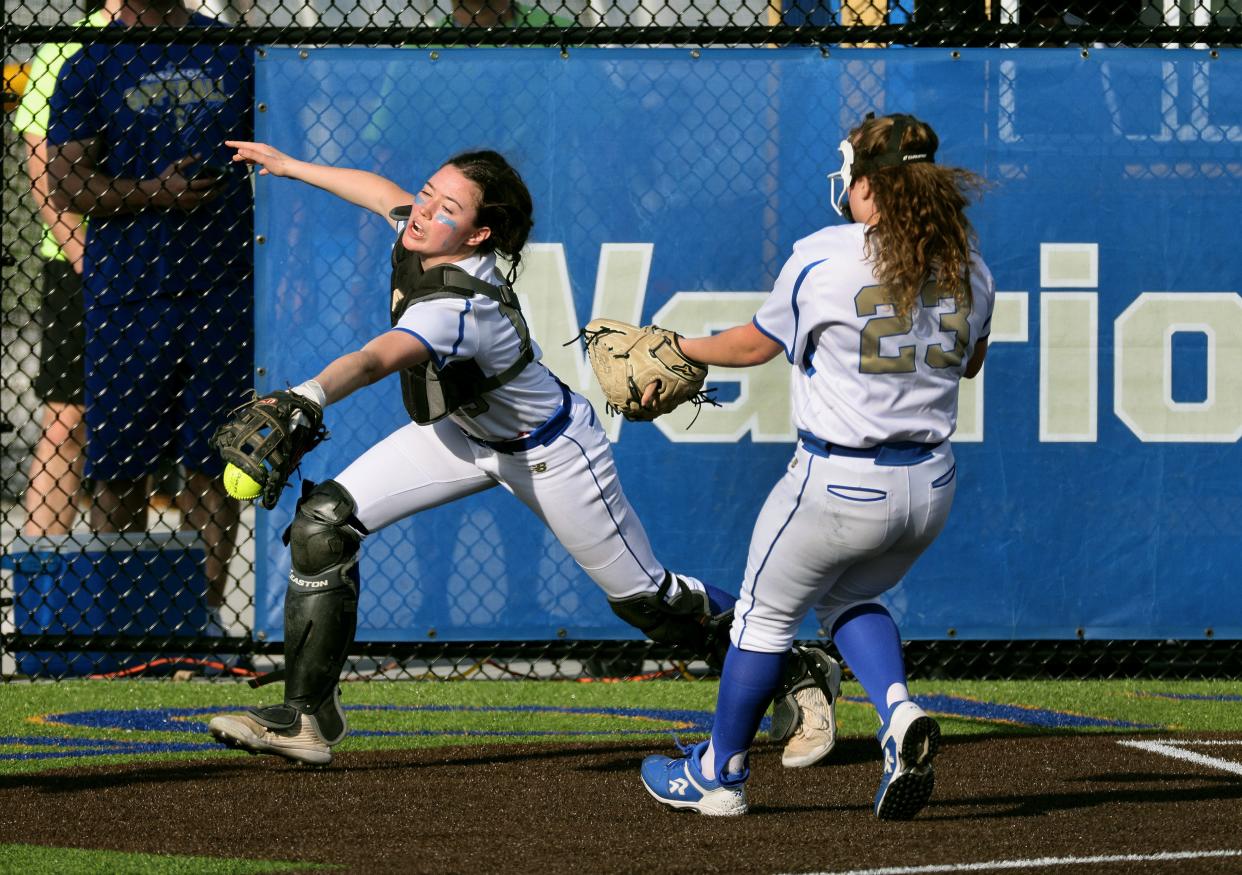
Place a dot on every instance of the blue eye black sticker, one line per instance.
(438, 217)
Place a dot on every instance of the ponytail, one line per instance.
(921, 232)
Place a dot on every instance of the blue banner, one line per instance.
(1097, 453)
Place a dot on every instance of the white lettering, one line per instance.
(1068, 357)
(1143, 367)
(1069, 367)
(1010, 324)
(547, 300)
(762, 407)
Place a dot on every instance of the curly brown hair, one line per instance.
(921, 231)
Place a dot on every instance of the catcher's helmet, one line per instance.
(854, 166)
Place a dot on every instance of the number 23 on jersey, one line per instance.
(956, 322)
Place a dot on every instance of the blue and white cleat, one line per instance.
(678, 782)
(910, 741)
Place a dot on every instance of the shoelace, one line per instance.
(807, 697)
(686, 749)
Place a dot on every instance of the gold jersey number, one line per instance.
(956, 320)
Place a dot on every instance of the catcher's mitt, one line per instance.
(627, 359)
(267, 436)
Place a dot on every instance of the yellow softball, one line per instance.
(239, 484)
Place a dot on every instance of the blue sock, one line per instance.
(719, 600)
(869, 642)
(747, 684)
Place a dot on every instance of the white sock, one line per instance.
(897, 694)
(708, 763)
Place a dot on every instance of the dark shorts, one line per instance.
(161, 375)
(61, 368)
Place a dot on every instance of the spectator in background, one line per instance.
(465, 14)
(57, 457)
(1055, 23)
(502, 13)
(136, 142)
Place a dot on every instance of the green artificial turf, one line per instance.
(38, 860)
(80, 716)
(435, 713)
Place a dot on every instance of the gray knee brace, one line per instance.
(321, 603)
(685, 618)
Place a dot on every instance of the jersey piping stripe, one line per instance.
(766, 556)
(794, 304)
(604, 499)
(439, 361)
(461, 329)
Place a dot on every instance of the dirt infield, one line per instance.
(573, 809)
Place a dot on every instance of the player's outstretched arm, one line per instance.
(363, 188)
(740, 347)
(392, 351)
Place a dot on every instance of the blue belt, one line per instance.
(540, 437)
(894, 454)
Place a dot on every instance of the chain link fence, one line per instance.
(128, 313)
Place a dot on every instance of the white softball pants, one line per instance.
(835, 532)
(571, 484)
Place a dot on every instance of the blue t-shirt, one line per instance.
(150, 105)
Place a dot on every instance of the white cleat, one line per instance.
(817, 730)
(302, 743)
(816, 734)
(909, 741)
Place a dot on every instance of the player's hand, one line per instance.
(269, 160)
(173, 188)
(649, 395)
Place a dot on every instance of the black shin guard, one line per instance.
(685, 618)
(321, 603)
(319, 627)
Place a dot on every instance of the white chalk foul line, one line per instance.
(1176, 749)
(994, 865)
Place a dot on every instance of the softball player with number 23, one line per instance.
(879, 318)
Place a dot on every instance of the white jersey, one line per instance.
(458, 328)
(863, 375)
(568, 478)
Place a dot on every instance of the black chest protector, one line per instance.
(431, 392)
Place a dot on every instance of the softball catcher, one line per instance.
(485, 413)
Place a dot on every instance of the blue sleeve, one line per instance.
(73, 111)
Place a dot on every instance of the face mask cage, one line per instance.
(843, 178)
